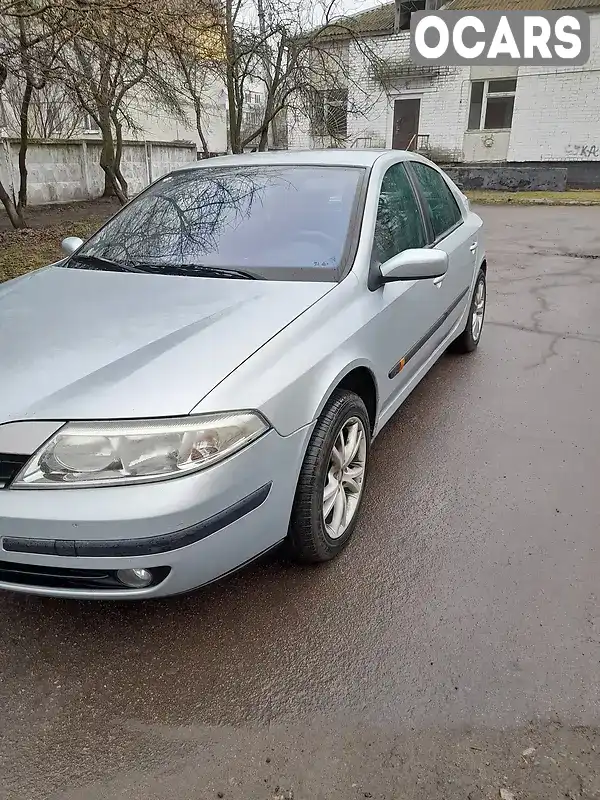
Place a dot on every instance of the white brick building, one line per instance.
(150, 122)
(469, 115)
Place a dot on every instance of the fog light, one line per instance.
(135, 578)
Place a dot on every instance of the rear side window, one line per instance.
(399, 223)
(443, 208)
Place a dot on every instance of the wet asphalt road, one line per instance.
(464, 618)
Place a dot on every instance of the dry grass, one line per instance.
(580, 197)
(25, 250)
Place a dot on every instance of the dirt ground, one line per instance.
(39, 244)
(325, 762)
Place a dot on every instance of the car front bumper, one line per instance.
(199, 527)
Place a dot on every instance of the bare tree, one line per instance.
(192, 79)
(278, 49)
(114, 59)
(29, 49)
(52, 112)
(105, 61)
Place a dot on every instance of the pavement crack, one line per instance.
(545, 307)
(579, 272)
(580, 337)
(580, 255)
(548, 354)
(563, 253)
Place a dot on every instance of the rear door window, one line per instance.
(443, 208)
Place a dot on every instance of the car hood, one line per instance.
(86, 344)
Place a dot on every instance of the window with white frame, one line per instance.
(89, 124)
(492, 104)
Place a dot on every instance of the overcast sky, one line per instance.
(353, 6)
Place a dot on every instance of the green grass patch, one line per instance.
(582, 197)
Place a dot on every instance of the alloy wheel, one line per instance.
(345, 477)
(478, 311)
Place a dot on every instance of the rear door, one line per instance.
(454, 232)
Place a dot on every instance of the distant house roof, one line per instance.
(375, 20)
(379, 21)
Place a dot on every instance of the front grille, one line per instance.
(10, 466)
(65, 578)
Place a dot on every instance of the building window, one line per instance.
(492, 104)
(89, 124)
(253, 118)
(330, 113)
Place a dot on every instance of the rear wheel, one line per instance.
(469, 338)
(332, 480)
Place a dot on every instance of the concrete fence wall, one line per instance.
(62, 171)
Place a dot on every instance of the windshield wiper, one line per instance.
(194, 270)
(97, 262)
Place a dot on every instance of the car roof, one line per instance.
(325, 158)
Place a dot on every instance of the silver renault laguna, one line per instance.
(203, 378)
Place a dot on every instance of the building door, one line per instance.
(406, 123)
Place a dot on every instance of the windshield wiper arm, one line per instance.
(195, 270)
(98, 262)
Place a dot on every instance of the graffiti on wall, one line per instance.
(583, 151)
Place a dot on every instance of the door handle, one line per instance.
(439, 281)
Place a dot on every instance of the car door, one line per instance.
(454, 232)
(404, 312)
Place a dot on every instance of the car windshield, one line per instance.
(255, 222)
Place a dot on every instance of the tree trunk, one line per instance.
(24, 132)
(15, 220)
(263, 143)
(234, 110)
(199, 128)
(118, 155)
(264, 139)
(5, 198)
(267, 119)
(109, 189)
(233, 116)
(107, 160)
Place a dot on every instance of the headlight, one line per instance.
(108, 453)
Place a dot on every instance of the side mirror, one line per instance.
(71, 244)
(415, 265)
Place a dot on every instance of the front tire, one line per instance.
(332, 479)
(470, 337)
